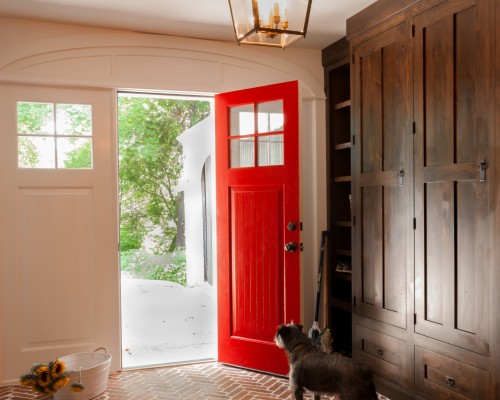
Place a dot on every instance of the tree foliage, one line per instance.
(150, 167)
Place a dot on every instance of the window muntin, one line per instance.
(54, 135)
(256, 135)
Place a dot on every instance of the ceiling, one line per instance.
(206, 19)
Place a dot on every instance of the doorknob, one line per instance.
(291, 247)
(291, 226)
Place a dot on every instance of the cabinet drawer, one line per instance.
(441, 377)
(384, 354)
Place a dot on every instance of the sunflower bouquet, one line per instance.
(49, 378)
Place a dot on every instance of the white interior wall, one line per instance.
(57, 54)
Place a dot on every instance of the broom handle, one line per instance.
(324, 234)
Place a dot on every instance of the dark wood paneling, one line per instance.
(381, 127)
(466, 90)
(371, 112)
(439, 90)
(374, 15)
(335, 52)
(451, 202)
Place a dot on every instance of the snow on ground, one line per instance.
(164, 323)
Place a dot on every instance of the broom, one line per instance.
(315, 332)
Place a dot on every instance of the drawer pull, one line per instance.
(450, 381)
(380, 352)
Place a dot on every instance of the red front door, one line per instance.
(257, 223)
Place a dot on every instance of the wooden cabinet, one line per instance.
(383, 179)
(451, 194)
(337, 88)
(425, 134)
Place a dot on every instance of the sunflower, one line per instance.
(77, 387)
(60, 382)
(43, 375)
(28, 380)
(57, 368)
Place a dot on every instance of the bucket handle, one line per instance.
(101, 348)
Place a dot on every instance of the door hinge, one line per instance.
(301, 246)
(354, 301)
(414, 224)
(414, 319)
(352, 59)
(353, 220)
(414, 127)
(413, 30)
(301, 226)
(353, 140)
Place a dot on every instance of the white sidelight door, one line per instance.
(59, 271)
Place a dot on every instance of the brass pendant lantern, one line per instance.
(276, 23)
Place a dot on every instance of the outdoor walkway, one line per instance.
(164, 323)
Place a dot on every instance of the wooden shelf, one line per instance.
(342, 179)
(342, 252)
(345, 275)
(337, 82)
(343, 104)
(343, 146)
(341, 304)
(343, 224)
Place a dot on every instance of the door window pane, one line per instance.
(242, 152)
(242, 121)
(36, 152)
(74, 152)
(35, 118)
(74, 119)
(54, 135)
(271, 150)
(270, 116)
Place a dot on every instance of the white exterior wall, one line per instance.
(198, 143)
(56, 54)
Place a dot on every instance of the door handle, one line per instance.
(291, 247)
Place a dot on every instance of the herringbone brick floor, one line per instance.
(208, 381)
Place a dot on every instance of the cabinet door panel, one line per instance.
(451, 198)
(381, 197)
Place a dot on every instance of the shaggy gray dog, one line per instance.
(321, 373)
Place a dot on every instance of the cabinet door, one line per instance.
(382, 180)
(451, 192)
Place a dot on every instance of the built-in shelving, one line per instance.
(339, 145)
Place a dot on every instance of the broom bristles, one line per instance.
(315, 333)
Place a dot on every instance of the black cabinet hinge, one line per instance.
(354, 301)
(414, 319)
(413, 30)
(352, 59)
(414, 223)
(353, 140)
(414, 127)
(301, 227)
(353, 220)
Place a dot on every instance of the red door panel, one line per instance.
(257, 196)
